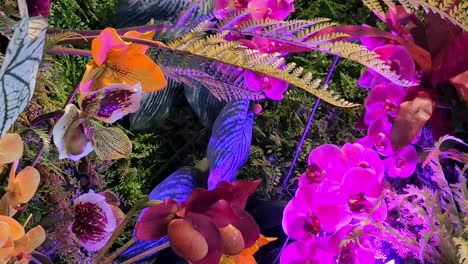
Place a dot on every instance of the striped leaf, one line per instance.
(140, 12)
(206, 106)
(19, 70)
(177, 186)
(229, 145)
(154, 107)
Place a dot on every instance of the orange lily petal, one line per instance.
(11, 148)
(132, 67)
(138, 47)
(5, 233)
(7, 250)
(102, 44)
(33, 239)
(17, 230)
(28, 181)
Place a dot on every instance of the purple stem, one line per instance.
(309, 123)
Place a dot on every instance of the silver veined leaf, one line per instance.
(19, 70)
(229, 144)
(109, 142)
(206, 106)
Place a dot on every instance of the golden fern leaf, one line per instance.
(457, 14)
(52, 40)
(376, 7)
(230, 58)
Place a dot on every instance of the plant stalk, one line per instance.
(120, 250)
(149, 252)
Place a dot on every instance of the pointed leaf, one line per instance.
(229, 145)
(109, 142)
(19, 70)
(411, 118)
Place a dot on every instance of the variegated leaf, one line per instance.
(109, 142)
(229, 145)
(19, 70)
(206, 106)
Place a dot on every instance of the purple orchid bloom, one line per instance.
(273, 9)
(383, 100)
(94, 221)
(379, 135)
(308, 251)
(400, 61)
(353, 252)
(403, 163)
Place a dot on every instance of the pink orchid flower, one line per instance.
(403, 163)
(308, 251)
(273, 9)
(383, 100)
(400, 60)
(94, 221)
(364, 157)
(379, 135)
(353, 252)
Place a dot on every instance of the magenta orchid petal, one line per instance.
(296, 216)
(154, 221)
(359, 180)
(307, 251)
(380, 213)
(272, 87)
(379, 134)
(366, 158)
(94, 221)
(328, 161)
(404, 163)
(116, 101)
(374, 112)
(401, 61)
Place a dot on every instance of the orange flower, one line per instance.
(117, 61)
(246, 255)
(22, 187)
(11, 149)
(13, 240)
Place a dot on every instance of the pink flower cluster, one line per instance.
(262, 9)
(382, 106)
(340, 187)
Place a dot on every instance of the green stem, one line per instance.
(120, 250)
(136, 207)
(149, 252)
(142, 29)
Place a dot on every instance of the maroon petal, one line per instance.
(200, 200)
(241, 189)
(248, 227)
(154, 221)
(207, 227)
(222, 213)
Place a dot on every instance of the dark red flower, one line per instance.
(38, 7)
(207, 225)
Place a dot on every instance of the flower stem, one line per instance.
(149, 252)
(309, 123)
(86, 33)
(70, 51)
(136, 207)
(120, 250)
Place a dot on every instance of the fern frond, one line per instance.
(52, 40)
(376, 7)
(457, 14)
(232, 59)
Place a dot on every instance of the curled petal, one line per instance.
(69, 135)
(379, 134)
(5, 233)
(154, 221)
(222, 213)
(404, 163)
(210, 232)
(16, 230)
(28, 243)
(242, 190)
(108, 39)
(135, 34)
(23, 187)
(248, 227)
